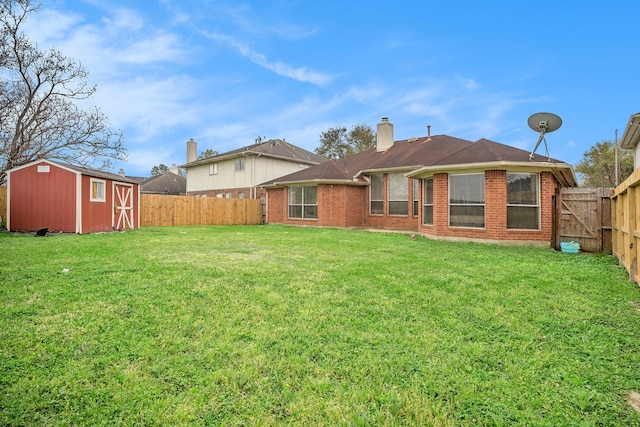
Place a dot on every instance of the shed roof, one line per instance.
(81, 170)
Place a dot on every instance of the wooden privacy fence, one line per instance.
(626, 224)
(163, 210)
(3, 204)
(583, 215)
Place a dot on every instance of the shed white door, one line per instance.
(122, 206)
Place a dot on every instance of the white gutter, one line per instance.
(397, 169)
(427, 171)
(316, 181)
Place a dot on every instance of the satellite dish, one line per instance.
(543, 123)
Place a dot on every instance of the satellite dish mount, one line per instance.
(543, 123)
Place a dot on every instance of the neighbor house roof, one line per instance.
(631, 135)
(274, 148)
(166, 183)
(420, 157)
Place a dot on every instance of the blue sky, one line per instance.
(226, 72)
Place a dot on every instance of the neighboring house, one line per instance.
(631, 138)
(236, 173)
(169, 182)
(70, 199)
(438, 186)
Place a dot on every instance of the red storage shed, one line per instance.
(70, 199)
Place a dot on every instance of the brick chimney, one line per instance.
(191, 151)
(384, 135)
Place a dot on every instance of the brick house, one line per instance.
(237, 173)
(437, 186)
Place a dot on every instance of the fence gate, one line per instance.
(583, 215)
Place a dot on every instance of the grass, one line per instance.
(274, 325)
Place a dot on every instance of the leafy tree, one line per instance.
(337, 142)
(207, 153)
(597, 167)
(159, 169)
(38, 93)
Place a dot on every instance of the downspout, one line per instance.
(251, 192)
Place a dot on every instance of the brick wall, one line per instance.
(276, 205)
(348, 206)
(495, 211)
(400, 222)
(338, 206)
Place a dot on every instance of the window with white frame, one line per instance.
(427, 201)
(98, 187)
(523, 201)
(239, 165)
(466, 200)
(303, 201)
(376, 196)
(398, 194)
(240, 194)
(416, 186)
(213, 169)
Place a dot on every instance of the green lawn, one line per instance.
(274, 325)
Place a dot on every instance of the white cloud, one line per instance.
(302, 74)
(123, 19)
(147, 106)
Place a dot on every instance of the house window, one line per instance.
(219, 195)
(239, 164)
(228, 195)
(416, 186)
(523, 201)
(375, 195)
(303, 202)
(213, 169)
(466, 200)
(240, 194)
(427, 201)
(398, 193)
(98, 190)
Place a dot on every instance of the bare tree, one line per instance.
(39, 115)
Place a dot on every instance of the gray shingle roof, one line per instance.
(271, 148)
(96, 173)
(166, 183)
